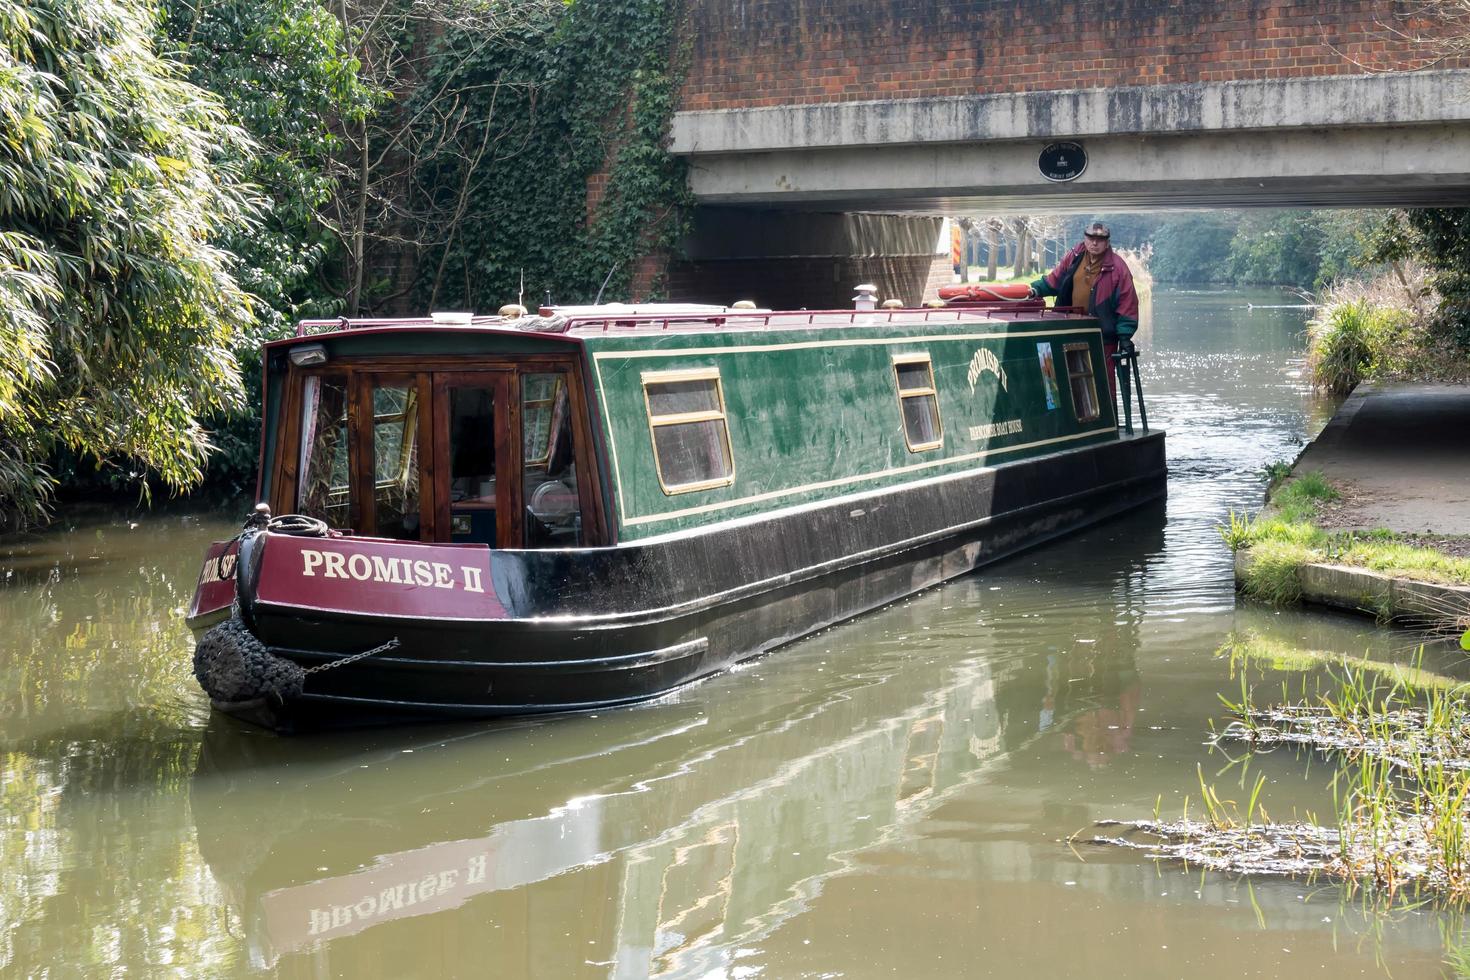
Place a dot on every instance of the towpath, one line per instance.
(1400, 455)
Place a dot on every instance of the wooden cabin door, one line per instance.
(476, 458)
(391, 498)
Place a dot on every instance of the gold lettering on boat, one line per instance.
(981, 433)
(985, 360)
(221, 568)
(392, 571)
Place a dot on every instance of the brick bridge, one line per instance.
(798, 114)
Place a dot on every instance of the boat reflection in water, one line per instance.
(680, 844)
(681, 833)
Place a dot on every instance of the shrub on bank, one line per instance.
(1379, 330)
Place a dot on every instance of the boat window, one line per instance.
(549, 469)
(396, 461)
(472, 463)
(1084, 386)
(324, 487)
(686, 418)
(919, 401)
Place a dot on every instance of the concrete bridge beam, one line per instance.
(1326, 141)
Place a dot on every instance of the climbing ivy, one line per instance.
(589, 89)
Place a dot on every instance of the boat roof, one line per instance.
(576, 322)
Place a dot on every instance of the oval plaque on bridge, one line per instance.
(1063, 161)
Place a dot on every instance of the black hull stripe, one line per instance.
(613, 621)
(628, 661)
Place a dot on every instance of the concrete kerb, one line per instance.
(1371, 593)
(1356, 589)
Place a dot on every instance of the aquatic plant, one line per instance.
(1403, 797)
(1275, 474)
(1236, 533)
(1380, 329)
(1343, 339)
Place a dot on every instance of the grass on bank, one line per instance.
(1286, 536)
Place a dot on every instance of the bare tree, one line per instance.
(992, 246)
(1431, 32)
(444, 120)
(1021, 229)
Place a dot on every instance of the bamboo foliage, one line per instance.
(117, 308)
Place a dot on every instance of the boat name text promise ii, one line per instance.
(398, 571)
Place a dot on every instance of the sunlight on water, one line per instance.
(889, 797)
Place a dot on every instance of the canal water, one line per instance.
(892, 797)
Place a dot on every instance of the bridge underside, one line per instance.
(793, 261)
(1339, 141)
(1427, 166)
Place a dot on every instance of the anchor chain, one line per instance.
(355, 657)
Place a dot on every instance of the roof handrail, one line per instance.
(667, 321)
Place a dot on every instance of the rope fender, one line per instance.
(232, 665)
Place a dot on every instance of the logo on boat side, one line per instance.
(985, 362)
(395, 571)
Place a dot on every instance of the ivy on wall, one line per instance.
(589, 89)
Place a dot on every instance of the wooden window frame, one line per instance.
(1090, 374)
(551, 418)
(929, 391)
(596, 527)
(363, 385)
(501, 381)
(286, 486)
(683, 418)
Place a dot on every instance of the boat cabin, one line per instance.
(478, 449)
(580, 427)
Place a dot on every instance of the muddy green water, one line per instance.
(888, 798)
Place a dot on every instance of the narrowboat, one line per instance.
(592, 506)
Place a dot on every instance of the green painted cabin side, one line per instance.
(814, 414)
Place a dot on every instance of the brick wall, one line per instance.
(941, 273)
(780, 52)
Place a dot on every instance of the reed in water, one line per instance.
(1402, 792)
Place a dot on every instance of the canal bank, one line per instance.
(1396, 458)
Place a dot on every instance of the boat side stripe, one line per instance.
(599, 356)
(876, 475)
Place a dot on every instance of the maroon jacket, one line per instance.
(1113, 300)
